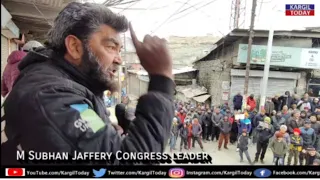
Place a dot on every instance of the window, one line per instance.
(314, 86)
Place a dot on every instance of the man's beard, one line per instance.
(92, 67)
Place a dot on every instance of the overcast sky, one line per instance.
(212, 16)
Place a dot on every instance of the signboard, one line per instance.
(281, 56)
(310, 58)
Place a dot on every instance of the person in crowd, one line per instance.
(277, 103)
(244, 124)
(206, 122)
(278, 120)
(265, 131)
(285, 113)
(234, 129)
(316, 126)
(251, 102)
(182, 115)
(296, 143)
(285, 135)
(286, 99)
(193, 113)
(174, 134)
(269, 107)
(11, 71)
(225, 128)
(309, 139)
(314, 104)
(295, 122)
(184, 131)
(293, 108)
(201, 116)
(242, 145)
(304, 115)
(237, 102)
(210, 125)
(304, 103)
(279, 148)
(255, 123)
(189, 126)
(295, 99)
(311, 156)
(196, 133)
(67, 78)
(215, 119)
(176, 115)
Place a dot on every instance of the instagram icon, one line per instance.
(176, 172)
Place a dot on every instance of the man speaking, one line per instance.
(56, 104)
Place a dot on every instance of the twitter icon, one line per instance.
(99, 173)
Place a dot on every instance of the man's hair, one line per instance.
(81, 20)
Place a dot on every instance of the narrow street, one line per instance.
(226, 157)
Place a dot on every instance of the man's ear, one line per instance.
(74, 50)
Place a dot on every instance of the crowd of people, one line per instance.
(289, 126)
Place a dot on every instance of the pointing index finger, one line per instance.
(134, 38)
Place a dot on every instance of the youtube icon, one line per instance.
(15, 172)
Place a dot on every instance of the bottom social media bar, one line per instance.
(162, 171)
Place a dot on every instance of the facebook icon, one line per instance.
(262, 173)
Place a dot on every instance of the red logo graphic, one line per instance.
(15, 172)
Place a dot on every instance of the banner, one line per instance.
(307, 58)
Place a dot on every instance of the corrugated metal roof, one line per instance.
(190, 91)
(202, 98)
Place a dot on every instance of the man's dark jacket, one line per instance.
(39, 116)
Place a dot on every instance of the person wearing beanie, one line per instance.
(283, 131)
(295, 147)
(225, 128)
(242, 145)
(309, 139)
(279, 148)
(265, 132)
(311, 155)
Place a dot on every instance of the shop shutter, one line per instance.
(237, 85)
(4, 52)
(280, 86)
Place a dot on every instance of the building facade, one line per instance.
(222, 71)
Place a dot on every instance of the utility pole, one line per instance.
(251, 33)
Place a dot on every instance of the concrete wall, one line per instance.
(184, 78)
(213, 73)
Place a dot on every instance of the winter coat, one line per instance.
(279, 149)
(237, 101)
(11, 71)
(265, 133)
(244, 124)
(225, 126)
(304, 104)
(316, 127)
(209, 117)
(286, 115)
(258, 118)
(313, 106)
(196, 130)
(182, 116)
(269, 107)
(286, 100)
(243, 142)
(252, 103)
(296, 142)
(203, 119)
(310, 159)
(277, 122)
(174, 129)
(286, 137)
(309, 137)
(292, 123)
(277, 104)
(184, 131)
(216, 118)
